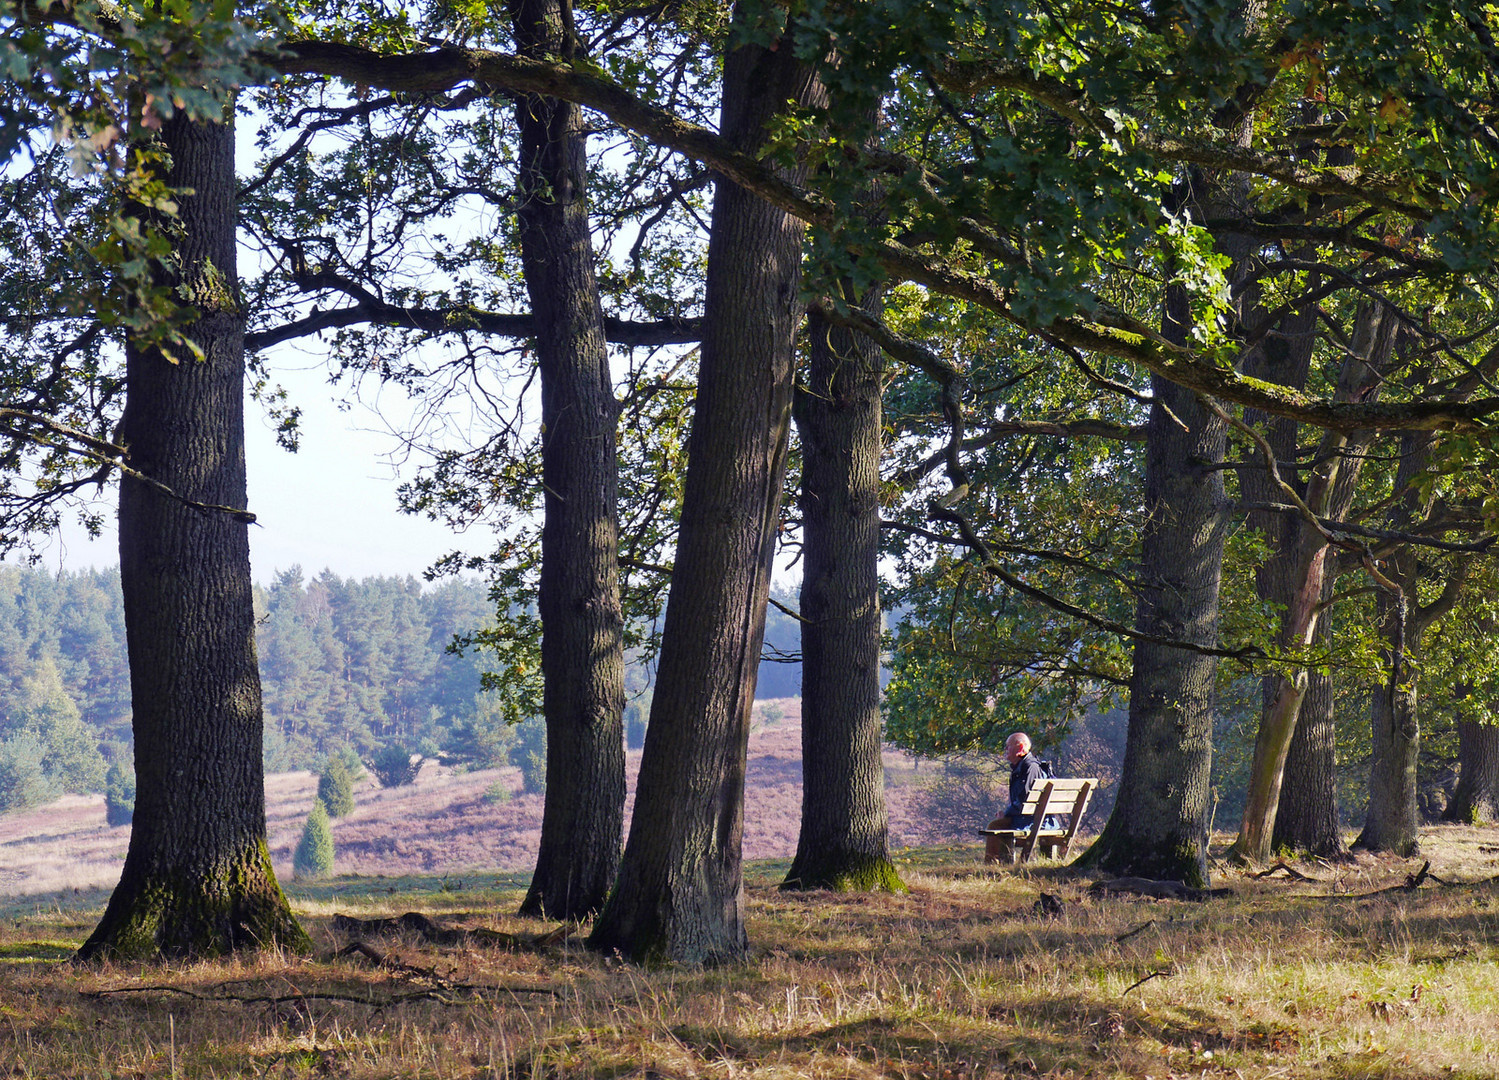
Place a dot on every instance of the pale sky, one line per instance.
(333, 503)
(330, 505)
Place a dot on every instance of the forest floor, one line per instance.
(448, 822)
(1367, 968)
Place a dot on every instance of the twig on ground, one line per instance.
(1160, 974)
(1411, 883)
(1122, 938)
(443, 995)
(281, 999)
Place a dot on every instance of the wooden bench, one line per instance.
(1062, 798)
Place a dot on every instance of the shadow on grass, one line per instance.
(36, 952)
(896, 1048)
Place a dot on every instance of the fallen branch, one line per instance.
(1411, 883)
(376, 957)
(476, 992)
(1290, 872)
(379, 959)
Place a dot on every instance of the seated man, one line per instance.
(1025, 770)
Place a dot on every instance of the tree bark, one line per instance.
(680, 892)
(1306, 817)
(1159, 826)
(582, 651)
(844, 842)
(1476, 800)
(197, 879)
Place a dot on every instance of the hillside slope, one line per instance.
(443, 824)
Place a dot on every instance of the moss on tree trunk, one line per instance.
(166, 915)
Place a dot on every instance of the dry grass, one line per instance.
(957, 979)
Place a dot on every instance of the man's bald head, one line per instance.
(1017, 746)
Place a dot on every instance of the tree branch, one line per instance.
(1111, 332)
(452, 318)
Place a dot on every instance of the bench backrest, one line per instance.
(1060, 795)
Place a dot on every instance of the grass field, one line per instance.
(960, 978)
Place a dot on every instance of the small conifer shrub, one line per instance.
(530, 754)
(350, 759)
(394, 766)
(119, 793)
(314, 855)
(335, 787)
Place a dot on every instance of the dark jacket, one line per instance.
(1023, 774)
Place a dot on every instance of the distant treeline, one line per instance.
(343, 662)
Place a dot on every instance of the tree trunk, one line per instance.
(1159, 825)
(1393, 821)
(844, 842)
(197, 879)
(1285, 359)
(1476, 800)
(1284, 694)
(582, 652)
(680, 892)
(1295, 575)
(1306, 817)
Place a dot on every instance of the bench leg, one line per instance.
(1055, 847)
(998, 849)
